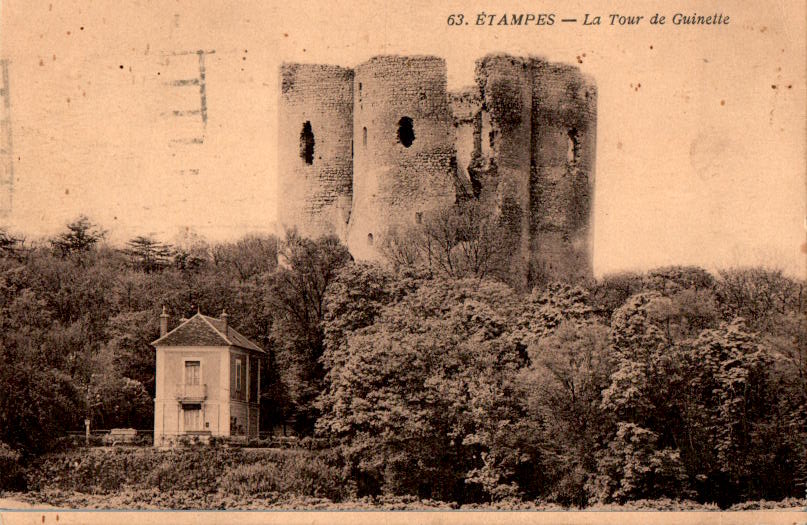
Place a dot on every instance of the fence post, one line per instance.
(87, 431)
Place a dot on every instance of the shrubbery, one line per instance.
(296, 473)
(198, 469)
(432, 381)
(11, 471)
(641, 387)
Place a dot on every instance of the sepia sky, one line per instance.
(701, 130)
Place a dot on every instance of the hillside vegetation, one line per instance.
(426, 380)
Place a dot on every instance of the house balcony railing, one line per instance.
(191, 393)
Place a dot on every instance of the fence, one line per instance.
(145, 438)
(111, 437)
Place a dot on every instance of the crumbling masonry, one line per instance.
(367, 149)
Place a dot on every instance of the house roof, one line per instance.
(201, 330)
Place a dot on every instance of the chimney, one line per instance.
(163, 323)
(224, 319)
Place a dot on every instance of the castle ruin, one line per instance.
(368, 149)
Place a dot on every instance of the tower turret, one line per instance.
(404, 147)
(315, 149)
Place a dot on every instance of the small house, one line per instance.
(207, 381)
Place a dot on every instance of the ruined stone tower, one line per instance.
(564, 119)
(315, 148)
(404, 147)
(502, 163)
(367, 150)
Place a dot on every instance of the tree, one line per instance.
(759, 296)
(425, 402)
(118, 401)
(562, 391)
(38, 400)
(635, 466)
(670, 280)
(544, 310)
(735, 429)
(611, 292)
(459, 241)
(127, 340)
(355, 299)
(248, 257)
(296, 296)
(81, 236)
(642, 351)
(641, 459)
(147, 254)
(9, 244)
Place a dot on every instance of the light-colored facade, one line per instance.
(207, 381)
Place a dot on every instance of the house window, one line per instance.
(239, 376)
(236, 427)
(253, 380)
(364, 136)
(192, 372)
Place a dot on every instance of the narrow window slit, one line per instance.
(307, 143)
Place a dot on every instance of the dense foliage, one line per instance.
(201, 469)
(638, 386)
(77, 317)
(430, 378)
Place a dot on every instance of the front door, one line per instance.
(192, 417)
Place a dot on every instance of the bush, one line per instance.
(193, 469)
(94, 471)
(199, 469)
(297, 472)
(100, 471)
(11, 471)
(252, 479)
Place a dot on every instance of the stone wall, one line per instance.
(394, 180)
(505, 84)
(366, 150)
(466, 109)
(562, 186)
(315, 148)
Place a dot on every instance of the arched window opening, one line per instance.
(406, 132)
(370, 239)
(364, 136)
(307, 143)
(573, 153)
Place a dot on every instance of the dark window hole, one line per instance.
(307, 143)
(573, 153)
(406, 132)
